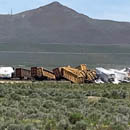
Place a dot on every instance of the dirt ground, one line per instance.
(27, 81)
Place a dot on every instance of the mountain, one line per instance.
(55, 23)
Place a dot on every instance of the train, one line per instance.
(80, 74)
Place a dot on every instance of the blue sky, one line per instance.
(101, 9)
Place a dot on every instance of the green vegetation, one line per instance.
(64, 106)
(54, 55)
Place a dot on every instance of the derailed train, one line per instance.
(80, 74)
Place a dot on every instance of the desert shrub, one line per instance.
(74, 117)
(118, 126)
(12, 112)
(72, 103)
(49, 104)
(116, 94)
(58, 106)
(35, 102)
(30, 127)
(31, 110)
(94, 117)
(3, 92)
(103, 100)
(92, 93)
(123, 110)
(15, 96)
(81, 125)
(63, 125)
(121, 119)
(70, 95)
(50, 125)
(15, 127)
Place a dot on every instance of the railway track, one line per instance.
(16, 81)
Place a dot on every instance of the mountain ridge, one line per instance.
(56, 23)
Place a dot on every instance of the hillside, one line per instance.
(55, 23)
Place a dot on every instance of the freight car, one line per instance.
(23, 73)
(6, 72)
(90, 75)
(73, 75)
(80, 74)
(40, 73)
(82, 67)
(57, 73)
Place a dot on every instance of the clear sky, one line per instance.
(101, 9)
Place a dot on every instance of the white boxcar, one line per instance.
(120, 76)
(112, 75)
(105, 75)
(6, 72)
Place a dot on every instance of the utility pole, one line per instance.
(11, 12)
